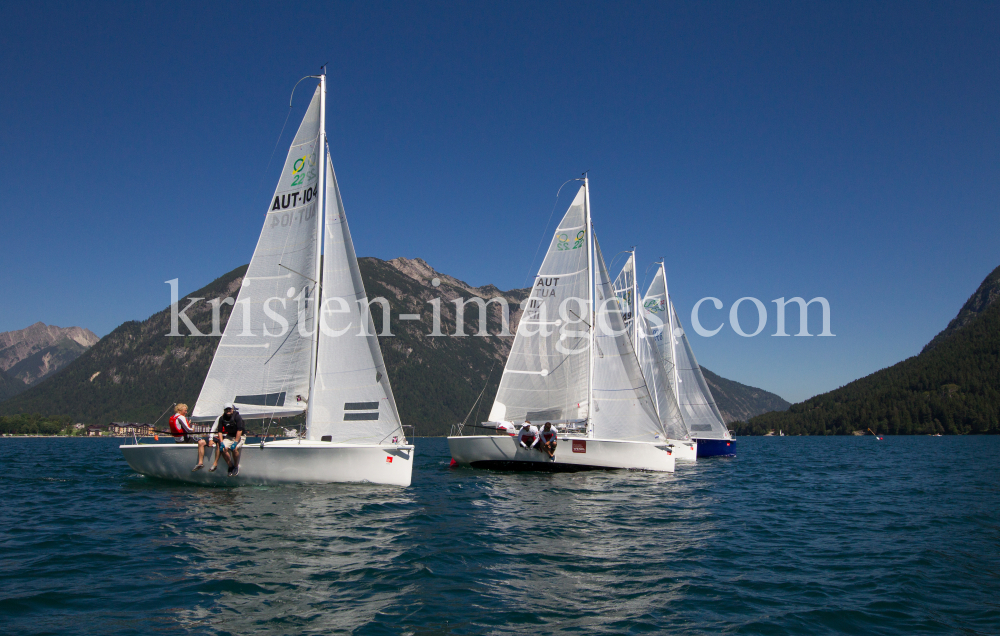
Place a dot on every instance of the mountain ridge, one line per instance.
(135, 372)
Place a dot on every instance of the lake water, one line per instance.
(794, 536)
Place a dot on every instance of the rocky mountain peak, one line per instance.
(28, 355)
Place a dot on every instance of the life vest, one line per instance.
(175, 427)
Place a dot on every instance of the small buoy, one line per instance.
(453, 463)
(156, 437)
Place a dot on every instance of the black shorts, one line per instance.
(187, 439)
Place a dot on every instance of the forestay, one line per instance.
(698, 407)
(353, 401)
(547, 372)
(263, 359)
(623, 409)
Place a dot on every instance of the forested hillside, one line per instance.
(952, 387)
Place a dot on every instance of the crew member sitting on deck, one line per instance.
(215, 435)
(232, 431)
(184, 434)
(549, 438)
(506, 428)
(528, 436)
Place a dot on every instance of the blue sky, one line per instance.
(844, 150)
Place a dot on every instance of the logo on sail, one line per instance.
(654, 306)
(303, 168)
(564, 241)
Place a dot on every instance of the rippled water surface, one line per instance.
(795, 536)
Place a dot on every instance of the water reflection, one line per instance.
(299, 558)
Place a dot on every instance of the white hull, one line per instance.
(684, 450)
(281, 462)
(503, 451)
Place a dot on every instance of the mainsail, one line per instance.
(654, 306)
(263, 359)
(698, 407)
(352, 399)
(547, 373)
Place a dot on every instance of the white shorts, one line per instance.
(231, 444)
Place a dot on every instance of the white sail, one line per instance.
(547, 372)
(698, 407)
(624, 287)
(263, 359)
(654, 306)
(660, 383)
(352, 400)
(623, 408)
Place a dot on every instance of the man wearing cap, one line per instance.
(231, 431)
(527, 437)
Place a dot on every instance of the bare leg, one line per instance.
(217, 454)
(236, 457)
(201, 452)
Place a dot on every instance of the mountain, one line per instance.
(32, 354)
(739, 402)
(137, 372)
(952, 386)
(9, 386)
(980, 301)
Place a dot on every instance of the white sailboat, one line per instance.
(698, 408)
(572, 364)
(273, 361)
(658, 378)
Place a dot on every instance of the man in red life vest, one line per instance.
(549, 439)
(184, 434)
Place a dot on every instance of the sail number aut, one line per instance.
(300, 339)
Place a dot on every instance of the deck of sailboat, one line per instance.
(279, 462)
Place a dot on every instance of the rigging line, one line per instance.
(531, 266)
(485, 386)
(488, 375)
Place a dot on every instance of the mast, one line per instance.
(320, 227)
(670, 323)
(635, 306)
(593, 309)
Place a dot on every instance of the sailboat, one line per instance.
(284, 354)
(572, 364)
(657, 377)
(698, 408)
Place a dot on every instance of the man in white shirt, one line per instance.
(549, 439)
(528, 436)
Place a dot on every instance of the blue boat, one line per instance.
(716, 447)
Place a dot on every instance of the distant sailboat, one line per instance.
(573, 365)
(698, 408)
(272, 361)
(658, 379)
